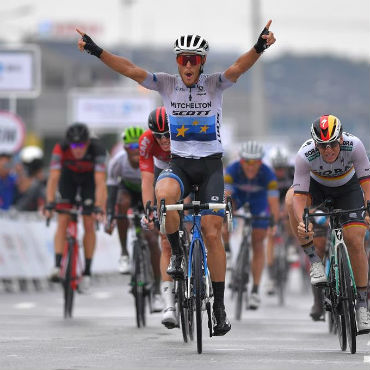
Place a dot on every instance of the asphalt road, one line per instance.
(103, 335)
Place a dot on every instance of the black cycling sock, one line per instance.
(174, 240)
(218, 293)
(255, 288)
(87, 266)
(361, 300)
(58, 259)
(227, 247)
(157, 285)
(310, 251)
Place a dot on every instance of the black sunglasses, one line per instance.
(332, 145)
(159, 135)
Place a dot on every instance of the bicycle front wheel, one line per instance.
(198, 290)
(67, 283)
(348, 297)
(241, 276)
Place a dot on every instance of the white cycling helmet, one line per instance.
(279, 157)
(194, 44)
(30, 153)
(251, 150)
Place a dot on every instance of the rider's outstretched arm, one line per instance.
(246, 61)
(119, 64)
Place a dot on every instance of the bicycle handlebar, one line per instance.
(334, 212)
(194, 205)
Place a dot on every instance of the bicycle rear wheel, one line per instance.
(182, 309)
(138, 286)
(198, 290)
(348, 297)
(67, 282)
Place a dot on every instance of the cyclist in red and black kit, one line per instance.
(154, 147)
(77, 163)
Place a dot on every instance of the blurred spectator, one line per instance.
(31, 184)
(8, 187)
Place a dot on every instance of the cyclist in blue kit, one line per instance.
(249, 180)
(193, 102)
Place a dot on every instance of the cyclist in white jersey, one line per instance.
(333, 164)
(193, 102)
(124, 192)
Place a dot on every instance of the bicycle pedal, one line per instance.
(366, 331)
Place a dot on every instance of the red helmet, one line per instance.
(326, 129)
(158, 121)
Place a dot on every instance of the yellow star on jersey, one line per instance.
(181, 131)
(195, 123)
(204, 128)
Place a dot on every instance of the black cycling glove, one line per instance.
(261, 44)
(91, 47)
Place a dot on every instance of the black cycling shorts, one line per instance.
(135, 196)
(347, 196)
(205, 172)
(71, 181)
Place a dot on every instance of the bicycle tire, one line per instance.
(348, 298)
(67, 283)
(198, 290)
(241, 277)
(281, 273)
(182, 309)
(138, 286)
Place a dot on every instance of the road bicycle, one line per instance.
(141, 270)
(71, 265)
(198, 283)
(242, 268)
(340, 291)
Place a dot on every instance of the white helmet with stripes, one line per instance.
(194, 44)
(251, 150)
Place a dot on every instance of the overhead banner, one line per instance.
(12, 132)
(104, 110)
(20, 71)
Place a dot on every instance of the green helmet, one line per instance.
(132, 134)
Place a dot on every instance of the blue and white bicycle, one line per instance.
(198, 283)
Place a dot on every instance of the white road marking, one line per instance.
(25, 305)
(366, 358)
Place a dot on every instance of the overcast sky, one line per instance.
(340, 27)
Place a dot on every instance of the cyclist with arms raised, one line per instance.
(333, 164)
(77, 162)
(248, 180)
(193, 102)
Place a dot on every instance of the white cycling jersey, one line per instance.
(120, 171)
(352, 159)
(195, 113)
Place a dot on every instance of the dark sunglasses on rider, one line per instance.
(159, 135)
(331, 145)
(77, 145)
(194, 59)
(132, 146)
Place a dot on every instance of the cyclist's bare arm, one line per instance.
(100, 190)
(274, 207)
(51, 188)
(246, 61)
(117, 63)
(147, 186)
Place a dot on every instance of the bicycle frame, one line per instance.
(336, 239)
(196, 231)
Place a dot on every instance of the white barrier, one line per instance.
(27, 247)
